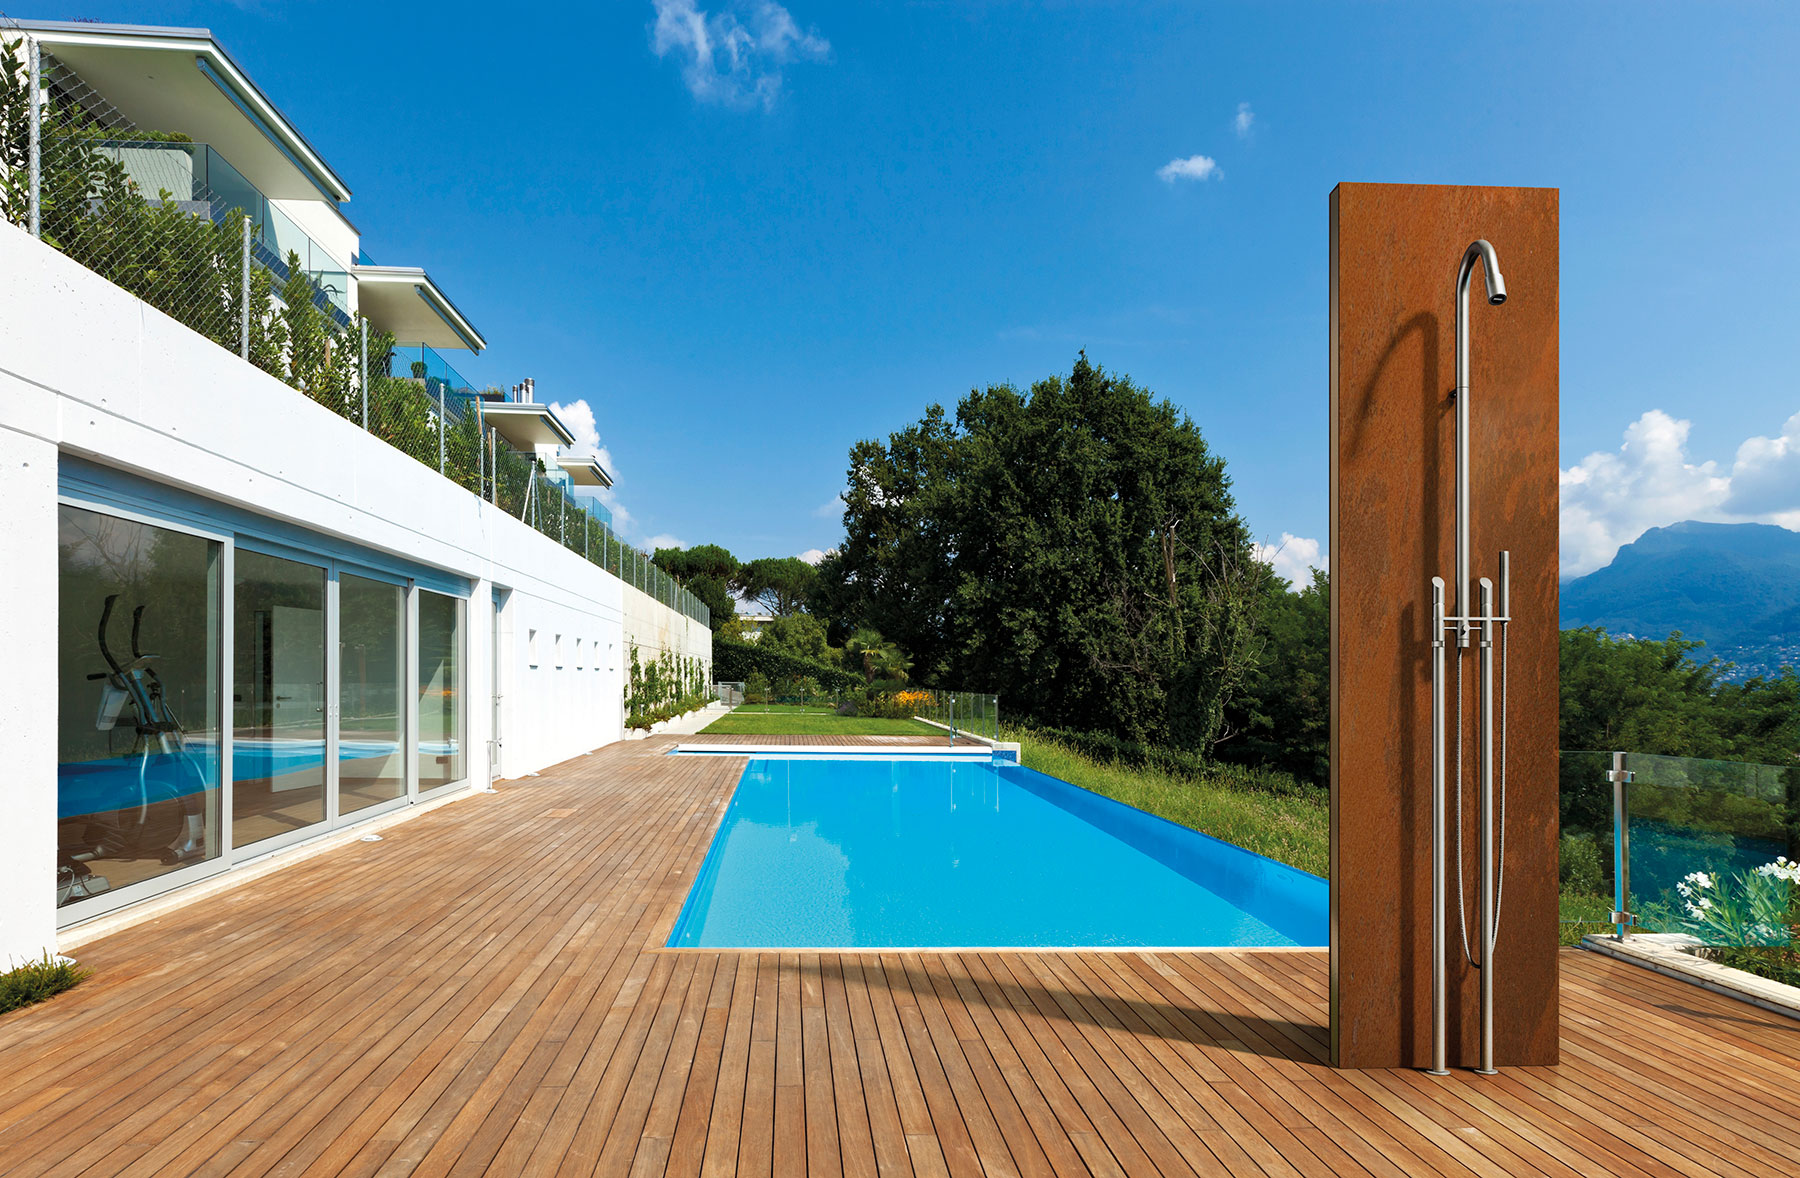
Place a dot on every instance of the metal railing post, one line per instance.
(365, 375)
(440, 391)
(244, 297)
(35, 191)
(1620, 777)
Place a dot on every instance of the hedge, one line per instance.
(733, 661)
(1104, 747)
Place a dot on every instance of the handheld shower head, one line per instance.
(1490, 270)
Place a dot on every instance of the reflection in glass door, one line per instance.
(138, 735)
(371, 692)
(278, 762)
(440, 690)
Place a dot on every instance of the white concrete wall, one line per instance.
(88, 370)
(28, 607)
(654, 628)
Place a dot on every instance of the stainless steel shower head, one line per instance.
(1490, 270)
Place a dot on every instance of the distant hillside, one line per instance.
(1735, 587)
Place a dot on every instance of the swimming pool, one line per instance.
(940, 852)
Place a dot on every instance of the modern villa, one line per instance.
(243, 615)
(366, 809)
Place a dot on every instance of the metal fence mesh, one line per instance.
(172, 222)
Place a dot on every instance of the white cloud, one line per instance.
(1194, 167)
(832, 508)
(813, 555)
(1612, 499)
(1244, 120)
(1293, 558)
(1765, 479)
(733, 57)
(579, 417)
(663, 540)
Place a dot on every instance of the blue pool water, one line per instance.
(862, 853)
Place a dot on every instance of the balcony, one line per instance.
(203, 182)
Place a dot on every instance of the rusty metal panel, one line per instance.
(1395, 249)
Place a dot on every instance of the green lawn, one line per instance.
(799, 723)
(784, 710)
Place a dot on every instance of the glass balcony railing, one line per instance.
(1684, 845)
(203, 182)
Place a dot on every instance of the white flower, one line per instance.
(1781, 869)
(1700, 878)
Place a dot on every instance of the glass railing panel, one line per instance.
(283, 237)
(230, 190)
(1585, 849)
(1712, 847)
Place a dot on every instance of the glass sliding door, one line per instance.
(278, 701)
(441, 756)
(138, 734)
(371, 692)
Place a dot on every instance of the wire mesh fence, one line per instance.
(174, 223)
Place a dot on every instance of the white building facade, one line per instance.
(234, 624)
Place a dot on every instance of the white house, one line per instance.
(234, 622)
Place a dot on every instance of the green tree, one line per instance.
(1283, 716)
(801, 635)
(782, 585)
(704, 570)
(1074, 548)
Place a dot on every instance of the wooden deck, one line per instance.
(483, 992)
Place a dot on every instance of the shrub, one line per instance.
(756, 688)
(1580, 865)
(885, 707)
(38, 980)
(734, 661)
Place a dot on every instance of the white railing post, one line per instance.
(365, 375)
(35, 119)
(244, 294)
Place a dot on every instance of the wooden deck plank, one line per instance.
(510, 1010)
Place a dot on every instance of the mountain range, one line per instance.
(1735, 587)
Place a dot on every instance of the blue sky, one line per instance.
(745, 268)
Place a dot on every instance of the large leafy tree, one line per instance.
(1074, 548)
(1646, 696)
(704, 570)
(782, 585)
(1283, 715)
(800, 635)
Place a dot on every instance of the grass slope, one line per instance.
(797, 723)
(1295, 831)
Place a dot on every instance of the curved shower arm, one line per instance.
(1479, 250)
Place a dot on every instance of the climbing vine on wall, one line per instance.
(663, 687)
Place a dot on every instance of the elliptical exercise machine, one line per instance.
(141, 828)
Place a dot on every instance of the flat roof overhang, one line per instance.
(585, 471)
(526, 425)
(405, 301)
(181, 80)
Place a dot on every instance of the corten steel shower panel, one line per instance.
(1410, 505)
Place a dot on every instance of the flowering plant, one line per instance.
(1749, 908)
